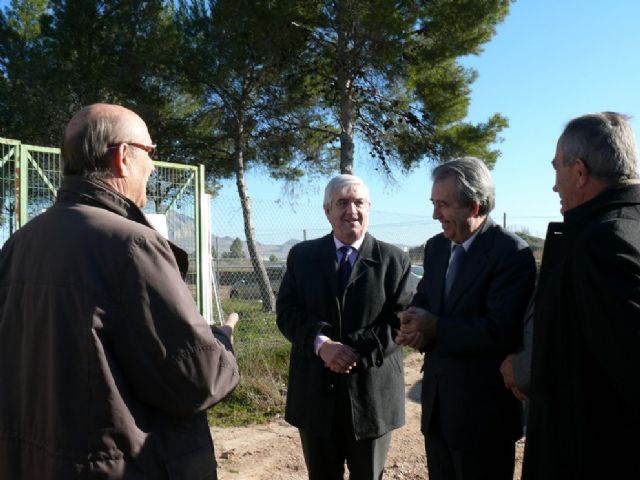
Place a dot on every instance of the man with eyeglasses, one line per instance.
(106, 366)
(336, 305)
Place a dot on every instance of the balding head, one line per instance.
(88, 135)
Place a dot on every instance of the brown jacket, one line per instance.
(106, 366)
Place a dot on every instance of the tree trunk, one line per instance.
(266, 291)
(344, 83)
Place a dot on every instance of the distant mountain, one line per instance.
(223, 244)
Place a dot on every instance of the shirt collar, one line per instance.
(355, 245)
(466, 245)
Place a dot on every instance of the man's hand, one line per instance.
(413, 340)
(338, 357)
(506, 369)
(229, 324)
(418, 320)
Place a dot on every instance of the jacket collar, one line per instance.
(86, 191)
(620, 195)
(77, 189)
(368, 255)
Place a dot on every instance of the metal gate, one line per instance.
(30, 177)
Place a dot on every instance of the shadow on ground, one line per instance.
(414, 392)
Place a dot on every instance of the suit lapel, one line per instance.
(472, 265)
(440, 258)
(368, 256)
(325, 264)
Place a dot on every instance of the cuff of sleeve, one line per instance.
(320, 339)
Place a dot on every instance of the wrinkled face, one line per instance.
(348, 213)
(565, 186)
(141, 165)
(456, 221)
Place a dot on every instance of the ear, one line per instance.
(581, 173)
(326, 209)
(474, 209)
(120, 163)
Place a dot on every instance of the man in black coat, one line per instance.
(466, 316)
(337, 306)
(585, 398)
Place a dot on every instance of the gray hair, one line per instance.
(85, 146)
(473, 180)
(339, 184)
(604, 142)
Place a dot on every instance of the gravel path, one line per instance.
(273, 452)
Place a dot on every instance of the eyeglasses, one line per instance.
(150, 149)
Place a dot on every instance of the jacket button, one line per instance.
(331, 386)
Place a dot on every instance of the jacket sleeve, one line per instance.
(495, 325)
(375, 340)
(522, 359)
(420, 299)
(607, 292)
(171, 356)
(299, 325)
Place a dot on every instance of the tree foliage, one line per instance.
(235, 250)
(387, 72)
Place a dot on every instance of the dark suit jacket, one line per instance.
(365, 318)
(480, 324)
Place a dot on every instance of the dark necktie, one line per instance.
(454, 264)
(344, 270)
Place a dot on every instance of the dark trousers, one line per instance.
(493, 461)
(326, 456)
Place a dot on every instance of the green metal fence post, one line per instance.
(200, 232)
(22, 185)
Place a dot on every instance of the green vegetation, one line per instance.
(536, 243)
(263, 357)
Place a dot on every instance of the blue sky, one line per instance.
(551, 60)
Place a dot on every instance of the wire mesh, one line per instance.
(8, 223)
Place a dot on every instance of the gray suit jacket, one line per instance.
(365, 319)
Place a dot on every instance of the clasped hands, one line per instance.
(338, 357)
(417, 326)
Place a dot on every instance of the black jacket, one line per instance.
(106, 366)
(480, 324)
(365, 319)
(585, 395)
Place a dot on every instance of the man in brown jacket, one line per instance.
(106, 366)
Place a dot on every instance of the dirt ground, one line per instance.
(273, 452)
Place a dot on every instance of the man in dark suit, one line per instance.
(337, 305)
(467, 316)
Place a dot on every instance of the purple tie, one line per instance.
(344, 270)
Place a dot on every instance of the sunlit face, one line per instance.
(349, 213)
(565, 186)
(457, 222)
(140, 167)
